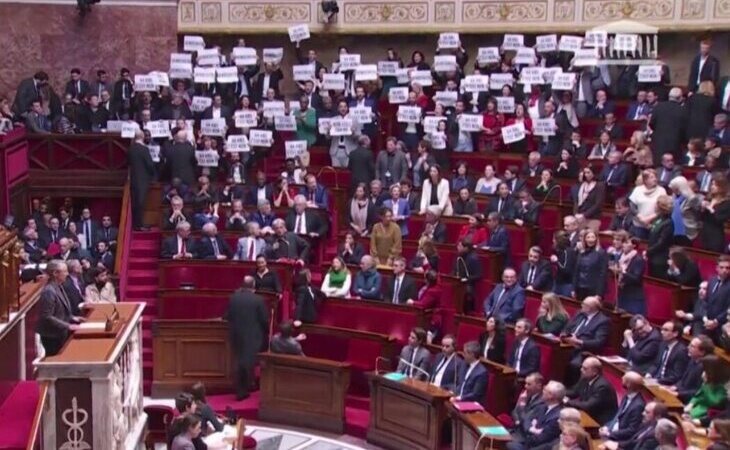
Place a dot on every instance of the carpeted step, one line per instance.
(148, 291)
(145, 252)
(16, 415)
(142, 277)
(146, 263)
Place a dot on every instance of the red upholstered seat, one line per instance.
(532, 306)
(546, 355)
(614, 378)
(327, 347)
(659, 300)
(247, 442)
(369, 316)
(466, 332)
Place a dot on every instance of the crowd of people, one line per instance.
(658, 211)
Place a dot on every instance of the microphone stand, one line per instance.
(414, 367)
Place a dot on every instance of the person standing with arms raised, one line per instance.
(248, 324)
(141, 173)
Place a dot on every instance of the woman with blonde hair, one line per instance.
(701, 108)
(574, 437)
(686, 212)
(552, 317)
(643, 203)
(638, 152)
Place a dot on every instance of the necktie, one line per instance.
(251, 246)
(396, 290)
(106, 234)
(499, 206)
(413, 362)
(183, 249)
(214, 242)
(705, 182)
(717, 285)
(300, 226)
(54, 235)
(531, 276)
(64, 298)
(663, 365)
(78, 88)
(499, 300)
(311, 197)
(87, 233)
(608, 177)
(518, 357)
(580, 326)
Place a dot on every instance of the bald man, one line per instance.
(507, 300)
(593, 393)
(588, 331)
(628, 419)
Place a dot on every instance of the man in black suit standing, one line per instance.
(672, 358)
(536, 273)
(88, 227)
(668, 124)
(212, 246)
(248, 326)
(303, 222)
(402, 287)
(704, 67)
(361, 163)
(525, 354)
(180, 246)
(141, 173)
(77, 87)
(268, 79)
(286, 244)
(29, 90)
(107, 232)
(180, 158)
(593, 393)
(628, 418)
(56, 319)
(448, 366)
(74, 286)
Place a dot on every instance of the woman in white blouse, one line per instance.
(488, 183)
(643, 202)
(338, 279)
(435, 192)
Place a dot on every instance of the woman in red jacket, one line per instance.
(492, 124)
(526, 144)
(430, 297)
(473, 231)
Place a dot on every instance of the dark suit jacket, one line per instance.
(530, 358)
(319, 196)
(455, 369)
(690, 382)
(307, 301)
(248, 325)
(619, 175)
(226, 113)
(528, 213)
(408, 290)
(591, 206)
(34, 250)
(362, 166)
(506, 305)
(141, 169)
(507, 212)
(496, 350)
(55, 312)
(718, 299)
(107, 260)
(421, 361)
(594, 334)
(275, 77)
(676, 363)
(75, 296)
(669, 121)
(289, 246)
(499, 242)
(24, 96)
(628, 418)
(547, 421)
(181, 161)
(710, 71)
(643, 439)
(598, 399)
(439, 233)
(94, 225)
(103, 235)
(312, 221)
(205, 248)
(170, 248)
(543, 278)
(252, 194)
(474, 388)
(73, 89)
(642, 355)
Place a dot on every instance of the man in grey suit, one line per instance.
(251, 246)
(28, 91)
(415, 358)
(56, 319)
(36, 121)
(391, 165)
(341, 146)
(284, 342)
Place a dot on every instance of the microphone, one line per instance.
(377, 366)
(412, 366)
(110, 319)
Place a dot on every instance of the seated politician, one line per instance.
(473, 386)
(507, 300)
(525, 354)
(540, 426)
(212, 246)
(671, 359)
(367, 280)
(414, 360)
(641, 344)
(286, 245)
(180, 246)
(252, 245)
(528, 401)
(402, 287)
(448, 366)
(593, 393)
(536, 273)
(588, 331)
(305, 222)
(628, 418)
(643, 438)
(498, 241)
(284, 342)
(265, 279)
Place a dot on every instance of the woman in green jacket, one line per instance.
(712, 393)
(306, 122)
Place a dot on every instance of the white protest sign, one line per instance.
(403, 76)
(625, 42)
(349, 61)
(181, 58)
(475, 83)
(145, 83)
(363, 114)
(570, 43)
(158, 128)
(323, 125)
(525, 55)
(273, 55)
(544, 127)
(488, 55)
(204, 74)
(209, 57)
(260, 138)
(333, 82)
(303, 72)
(387, 68)
(513, 133)
(129, 128)
(398, 95)
(237, 143)
(189, 128)
(650, 74)
(548, 73)
(207, 158)
(193, 43)
(246, 118)
(498, 80)
(226, 74)
(431, 123)
(213, 127)
(294, 149)
(294, 105)
(446, 98)
(409, 114)
(181, 70)
(438, 140)
(596, 39)
(366, 72)
(563, 81)
(586, 57)
(422, 77)
(161, 78)
(531, 75)
(471, 122)
(114, 126)
(547, 43)
(154, 152)
(513, 41)
(298, 33)
(505, 105)
(245, 56)
(340, 126)
(274, 108)
(199, 104)
(449, 40)
(444, 63)
(285, 123)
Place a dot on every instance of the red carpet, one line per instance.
(16, 416)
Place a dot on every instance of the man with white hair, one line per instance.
(67, 250)
(286, 245)
(434, 227)
(56, 319)
(212, 246)
(180, 246)
(305, 222)
(668, 126)
(543, 426)
(665, 433)
(252, 245)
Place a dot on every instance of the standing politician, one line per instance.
(56, 319)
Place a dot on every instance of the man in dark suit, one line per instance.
(671, 360)
(305, 222)
(720, 130)
(668, 123)
(77, 87)
(628, 418)
(588, 331)
(643, 438)
(88, 227)
(525, 354)
(248, 323)
(414, 360)
(211, 245)
(314, 193)
(217, 110)
(29, 90)
(529, 401)
(75, 286)
(180, 158)
(718, 299)
(503, 204)
(667, 171)
(268, 79)
(260, 191)
(313, 99)
(55, 315)
(536, 273)
(180, 246)
(244, 86)
(122, 92)
(638, 109)
(92, 117)
(468, 269)
(507, 300)
(541, 427)
(434, 228)
(551, 145)
(473, 387)
(286, 244)
(141, 173)
(614, 172)
(52, 234)
(33, 245)
(498, 241)
(36, 121)
(704, 67)
(593, 393)
(641, 344)
(101, 83)
(310, 58)
(104, 256)
(610, 126)
(107, 232)
(361, 163)
(448, 366)
(691, 380)
(402, 287)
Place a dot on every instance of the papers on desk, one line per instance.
(395, 376)
(551, 336)
(222, 440)
(493, 431)
(614, 359)
(467, 407)
(92, 326)
(651, 382)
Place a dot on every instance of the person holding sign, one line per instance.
(418, 61)
(268, 79)
(362, 100)
(460, 140)
(411, 131)
(492, 123)
(520, 116)
(342, 144)
(551, 145)
(306, 119)
(310, 58)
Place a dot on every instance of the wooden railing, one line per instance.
(9, 269)
(52, 152)
(125, 231)
(35, 436)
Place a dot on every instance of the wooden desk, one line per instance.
(228, 274)
(466, 434)
(203, 304)
(304, 391)
(407, 414)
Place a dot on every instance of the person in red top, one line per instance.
(521, 116)
(492, 124)
(422, 99)
(473, 231)
(430, 297)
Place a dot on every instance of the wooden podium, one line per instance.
(466, 434)
(406, 414)
(95, 385)
(303, 391)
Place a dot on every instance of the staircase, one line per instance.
(141, 286)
